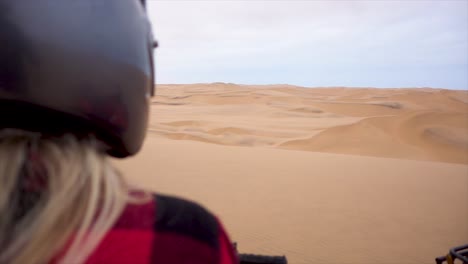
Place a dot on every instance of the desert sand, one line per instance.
(322, 175)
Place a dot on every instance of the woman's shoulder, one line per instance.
(165, 229)
(168, 214)
(197, 234)
(185, 218)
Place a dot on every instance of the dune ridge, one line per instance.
(421, 124)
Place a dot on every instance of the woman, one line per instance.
(75, 83)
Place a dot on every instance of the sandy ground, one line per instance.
(323, 175)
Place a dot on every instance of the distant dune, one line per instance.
(420, 124)
(323, 175)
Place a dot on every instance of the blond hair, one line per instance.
(58, 197)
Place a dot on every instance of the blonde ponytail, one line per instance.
(58, 196)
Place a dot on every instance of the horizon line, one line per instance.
(312, 87)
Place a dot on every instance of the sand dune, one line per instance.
(315, 207)
(421, 124)
(323, 175)
(427, 135)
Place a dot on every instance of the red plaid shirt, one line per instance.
(166, 230)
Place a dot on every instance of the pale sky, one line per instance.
(410, 43)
